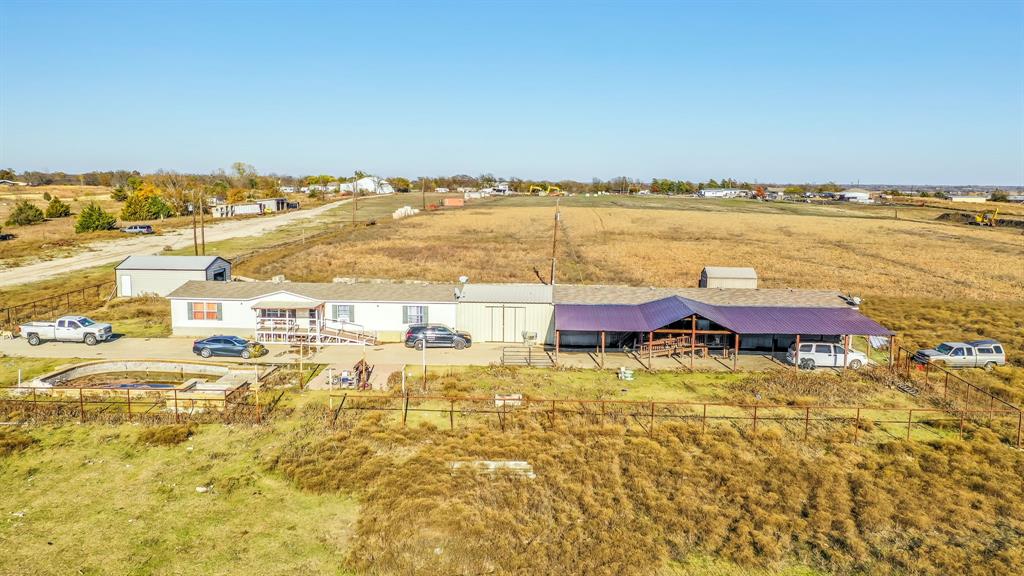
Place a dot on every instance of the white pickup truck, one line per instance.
(67, 329)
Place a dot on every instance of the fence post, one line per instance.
(128, 394)
(651, 431)
(81, 405)
(807, 420)
(910, 414)
(961, 424)
(405, 408)
(224, 412)
(1020, 420)
(967, 397)
(704, 418)
(945, 387)
(176, 420)
(856, 427)
(755, 417)
(35, 407)
(451, 415)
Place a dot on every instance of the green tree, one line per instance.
(1000, 196)
(57, 209)
(7, 174)
(146, 203)
(24, 214)
(93, 218)
(46, 196)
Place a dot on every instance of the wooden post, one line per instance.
(856, 427)
(736, 353)
(650, 432)
(693, 339)
(451, 415)
(755, 417)
(128, 395)
(650, 348)
(704, 418)
(602, 348)
(558, 339)
(910, 414)
(796, 355)
(405, 409)
(176, 417)
(892, 349)
(807, 416)
(81, 406)
(846, 350)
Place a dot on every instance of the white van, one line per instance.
(825, 355)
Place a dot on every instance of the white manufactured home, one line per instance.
(318, 313)
(161, 275)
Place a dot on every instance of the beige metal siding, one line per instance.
(505, 322)
(731, 283)
(158, 282)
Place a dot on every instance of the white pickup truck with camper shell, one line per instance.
(985, 354)
(67, 329)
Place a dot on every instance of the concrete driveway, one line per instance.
(480, 354)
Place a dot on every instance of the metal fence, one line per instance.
(147, 405)
(953, 390)
(849, 422)
(66, 302)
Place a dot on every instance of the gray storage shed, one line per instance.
(161, 275)
(727, 277)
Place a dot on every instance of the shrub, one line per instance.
(47, 196)
(167, 435)
(119, 194)
(57, 209)
(12, 441)
(93, 218)
(25, 214)
(145, 204)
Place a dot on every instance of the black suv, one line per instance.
(436, 336)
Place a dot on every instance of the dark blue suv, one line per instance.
(227, 346)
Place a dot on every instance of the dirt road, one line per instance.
(99, 253)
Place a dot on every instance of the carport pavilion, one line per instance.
(657, 322)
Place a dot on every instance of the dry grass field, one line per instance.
(859, 250)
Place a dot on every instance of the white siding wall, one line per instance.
(238, 317)
(159, 282)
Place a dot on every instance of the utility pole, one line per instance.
(202, 220)
(195, 238)
(554, 242)
(423, 192)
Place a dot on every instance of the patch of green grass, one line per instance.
(30, 368)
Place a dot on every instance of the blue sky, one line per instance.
(876, 93)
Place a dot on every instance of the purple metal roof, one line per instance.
(740, 319)
(793, 320)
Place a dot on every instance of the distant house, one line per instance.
(286, 189)
(273, 204)
(722, 193)
(441, 190)
(230, 210)
(969, 199)
(161, 275)
(727, 277)
(12, 183)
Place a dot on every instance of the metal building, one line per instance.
(161, 275)
(507, 312)
(727, 277)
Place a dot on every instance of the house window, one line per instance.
(414, 314)
(344, 312)
(204, 310)
(276, 313)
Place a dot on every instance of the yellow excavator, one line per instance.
(549, 191)
(986, 218)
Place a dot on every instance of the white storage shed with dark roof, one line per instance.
(161, 275)
(728, 277)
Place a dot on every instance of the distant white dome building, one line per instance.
(368, 185)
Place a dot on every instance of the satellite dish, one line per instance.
(463, 279)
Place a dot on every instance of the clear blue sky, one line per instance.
(876, 93)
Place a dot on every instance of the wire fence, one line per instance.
(76, 300)
(952, 390)
(802, 421)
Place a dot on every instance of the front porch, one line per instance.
(305, 322)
